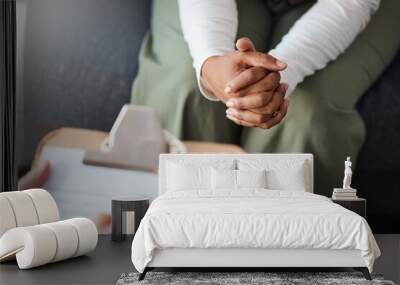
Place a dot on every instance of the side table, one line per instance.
(358, 206)
(119, 205)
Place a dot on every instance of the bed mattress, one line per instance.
(250, 219)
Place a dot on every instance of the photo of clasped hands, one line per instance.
(248, 83)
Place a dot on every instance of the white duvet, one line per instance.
(250, 219)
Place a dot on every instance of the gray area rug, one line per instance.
(232, 278)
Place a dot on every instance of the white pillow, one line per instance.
(292, 179)
(281, 175)
(183, 176)
(223, 179)
(251, 178)
(237, 179)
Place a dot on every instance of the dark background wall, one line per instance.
(77, 60)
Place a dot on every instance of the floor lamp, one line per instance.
(8, 175)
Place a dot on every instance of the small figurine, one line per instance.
(347, 192)
(347, 174)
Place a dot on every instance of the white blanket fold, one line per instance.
(250, 218)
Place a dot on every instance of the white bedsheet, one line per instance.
(250, 218)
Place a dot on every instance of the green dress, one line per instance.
(321, 119)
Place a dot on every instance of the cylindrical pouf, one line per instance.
(87, 234)
(23, 208)
(37, 245)
(45, 205)
(33, 246)
(67, 240)
(7, 218)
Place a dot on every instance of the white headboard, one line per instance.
(297, 157)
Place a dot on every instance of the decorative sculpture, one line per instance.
(347, 174)
(346, 192)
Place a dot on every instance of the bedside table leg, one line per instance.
(116, 221)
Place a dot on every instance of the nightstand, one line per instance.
(119, 205)
(358, 206)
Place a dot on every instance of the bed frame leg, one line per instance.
(143, 274)
(364, 271)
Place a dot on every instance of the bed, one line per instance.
(246, 211)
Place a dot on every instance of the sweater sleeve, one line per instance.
(209, 28)
(320, 36)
